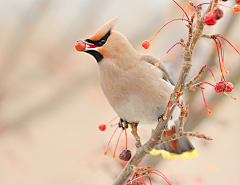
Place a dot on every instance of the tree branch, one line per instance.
(157, 134)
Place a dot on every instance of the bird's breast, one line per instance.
(137, 94)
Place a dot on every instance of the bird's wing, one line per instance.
(182, 147)
(153, 60)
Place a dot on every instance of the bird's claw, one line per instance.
(122, 124)
(161, 117)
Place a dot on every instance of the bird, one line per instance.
(137, 90)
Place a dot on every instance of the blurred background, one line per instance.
(51, 101)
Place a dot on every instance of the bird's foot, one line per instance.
(122, 124)
(161, 117)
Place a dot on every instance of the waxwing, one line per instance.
(136, 90)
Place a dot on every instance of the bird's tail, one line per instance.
(180, 148)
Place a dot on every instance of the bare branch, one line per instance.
(135, 134)
(157, 134)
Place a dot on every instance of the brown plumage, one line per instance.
(173, 144)
(136, 89)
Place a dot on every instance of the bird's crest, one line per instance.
(104, 29)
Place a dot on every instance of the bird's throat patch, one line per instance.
(98, 56)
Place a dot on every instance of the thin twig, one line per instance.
(180, 134)
(196, 77)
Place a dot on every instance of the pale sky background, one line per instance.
(51, 101)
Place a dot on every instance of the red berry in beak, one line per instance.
(209, 19)
(236, 8)
(125, 155)
(217, 13)
(146, 44)
(230, 87)
(80, 46)
(220, 87)
(102, 127)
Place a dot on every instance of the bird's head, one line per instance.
(104, 42)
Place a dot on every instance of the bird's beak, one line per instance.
(82, 45)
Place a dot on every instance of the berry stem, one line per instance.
(113, 125)
(165, 115)
(213, 2)
(175, 104)
(212, 74)
(209, 112)
(133, 176)
(157, 64)
(150, 180)
(226, 6)
(203, 4)
(117, 145)
(230, 96)
(222, 55)
(105, 153)
(208, 83)
(166, 25)
(182, 10)
(111, 120)
(126, 137)
(219, 59)
(230, 44)
(163, 176)
(139, 176)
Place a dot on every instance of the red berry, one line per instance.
(230, 87)
(102, 127)
(80, 46)
(146, 44)
(220, 87)
(236, 8)
(237, 1)
(217, 13)
(125, 155)
(209, 19)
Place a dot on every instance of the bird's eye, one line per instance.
(101, 42)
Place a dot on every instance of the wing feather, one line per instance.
(153, 60)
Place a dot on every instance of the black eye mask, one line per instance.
(100, 42)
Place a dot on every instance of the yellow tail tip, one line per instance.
(167, 155)
(155, 152)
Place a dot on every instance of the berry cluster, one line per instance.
(220, 87)
(210, 18)
(223, 86)
(216, 13)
